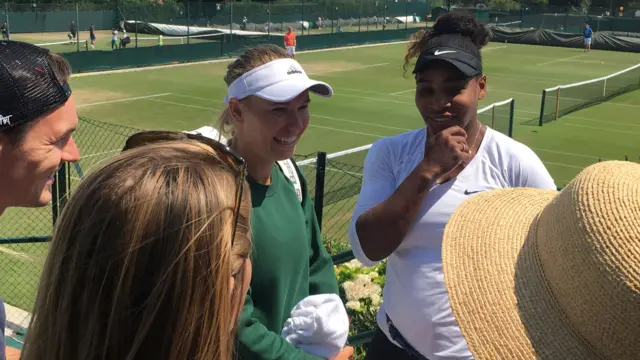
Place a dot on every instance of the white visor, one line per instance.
(278, 81)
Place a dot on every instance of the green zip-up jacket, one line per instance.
(289, 263)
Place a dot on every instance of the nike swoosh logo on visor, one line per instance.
(438, 52)
(467, 192)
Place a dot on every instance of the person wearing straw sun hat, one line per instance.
(560, 275)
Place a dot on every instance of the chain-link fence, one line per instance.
(66, 27)
(25, 232)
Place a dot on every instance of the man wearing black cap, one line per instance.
(37, 117)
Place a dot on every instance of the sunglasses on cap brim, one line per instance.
(226, 154)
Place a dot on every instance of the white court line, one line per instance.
(347, 69)
(568, 153)
(560, 59)
(359, 122)
(600, 129)
(17, 254)
(375, 99)
(402, 92)
(564, 165)
(197, 98)
(120, 100)
(186, 105)
(99, 154)
(347, 131)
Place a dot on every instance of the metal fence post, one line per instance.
(511, 117)
(59, 191)
(321, 165)
(77, 28)
(188, 21)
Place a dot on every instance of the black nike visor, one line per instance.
(467, 62)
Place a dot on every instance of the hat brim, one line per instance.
(289, 89)
(466, 69)
(497, 290)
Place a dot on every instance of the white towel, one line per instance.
(319, 325)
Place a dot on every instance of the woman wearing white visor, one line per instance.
(267, 112)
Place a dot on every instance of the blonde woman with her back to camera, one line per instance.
(267, 112)
(149, 259)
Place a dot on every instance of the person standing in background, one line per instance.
(587, 37)
(5, 31)
(37, 117)
(290, 42)
(73, 29)
(114, 39)
(92, 36)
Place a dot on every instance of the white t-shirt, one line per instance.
(114, 36)
(414, 296)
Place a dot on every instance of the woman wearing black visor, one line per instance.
(414, 181)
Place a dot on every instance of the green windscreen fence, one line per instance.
(569, 19)
(211, 49)
(564, 99)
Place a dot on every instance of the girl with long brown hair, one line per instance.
(149, 259)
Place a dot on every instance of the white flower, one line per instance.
(376, 300)
(353, 264)
(373, 275)
(353, 305)
(360, 288)
(362, 279)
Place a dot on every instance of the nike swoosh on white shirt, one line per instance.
(438, 52)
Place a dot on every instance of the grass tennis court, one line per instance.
(372, 100)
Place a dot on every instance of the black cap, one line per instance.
(453, 48)
(28, 86)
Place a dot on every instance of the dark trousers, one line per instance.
(380, 348)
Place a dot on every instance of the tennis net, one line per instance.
(65, 46)
(564, 99)
(174, 40)
(349, 163)
(344, 169)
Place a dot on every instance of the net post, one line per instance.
(321, 165)
(544, 96)
(604, 89)
(269, 19)
(512, 108)
(360, 16)
(135, 18)
(77, 28)
(557, 103)
(406, 14)
(6, 16)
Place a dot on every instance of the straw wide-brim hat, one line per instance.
(541, 274)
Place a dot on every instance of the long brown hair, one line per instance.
(252, 58)
(141, 261)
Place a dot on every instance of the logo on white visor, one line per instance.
(438, 52)
(292, 70)
(5, 120)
